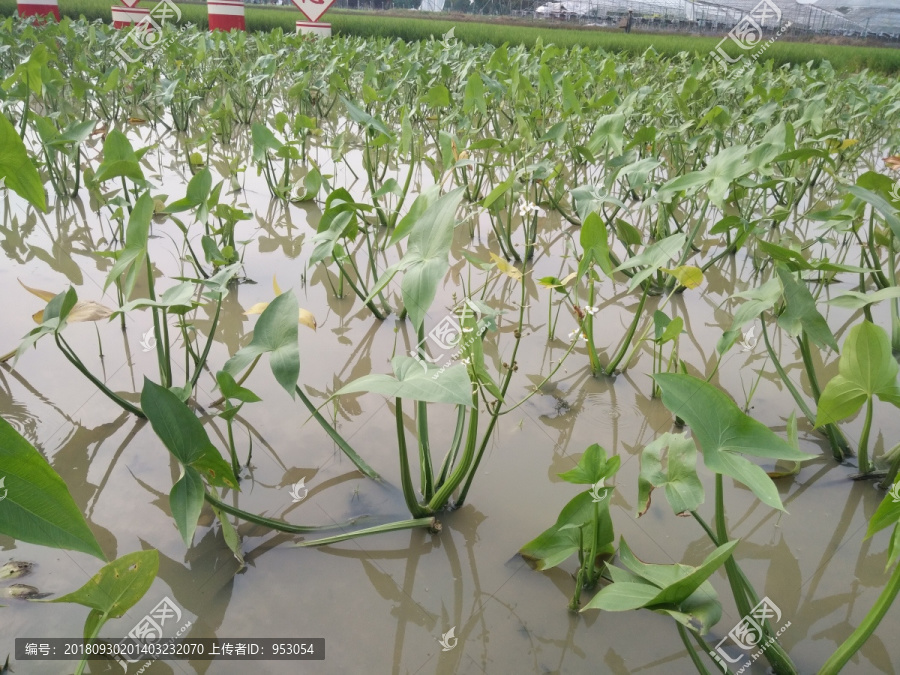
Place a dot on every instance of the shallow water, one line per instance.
(382, 603)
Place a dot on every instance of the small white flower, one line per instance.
(591, 310)
(577, 332)
(527, 208)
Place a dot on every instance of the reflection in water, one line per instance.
(384, 602)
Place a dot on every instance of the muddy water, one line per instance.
(383, 603)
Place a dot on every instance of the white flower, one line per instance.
(577, 332)
(591, 310)
(527, 208)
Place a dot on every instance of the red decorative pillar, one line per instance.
(38, 8)
(226, 15)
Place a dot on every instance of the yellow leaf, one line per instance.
(82, 311)
(505, 267)
(88, 311)
(687, 275)
(275, 285)
(305, 317)
(136, 120)
(46, 296)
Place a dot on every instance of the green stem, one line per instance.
(630, 334)
(779, 660)
(337, 438)
(430, 522)
(865, 629)
(412, 503)
(695, 657)
(202, 360)
(831, 431)
(864, 439)
(443, 493)
(75, 361)
(271, 523)
(426, 470)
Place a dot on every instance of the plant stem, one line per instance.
(430, 522)
(337, 438)
(779, 660)
(866, 627)
(75, 361)
(863, 449)
(412, 503)
(271, 523)
(832, 432)
(426, 470)
(698, 664)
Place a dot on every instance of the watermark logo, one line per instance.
(148, 341)
(448, 640)
(598, 492)
(450, 333)
(3, 490)
(748, 343)
(747, 34)
(152, 627)
(895, 191)
(749, 635)
(894, 491)
(146, 34)
(299, 490)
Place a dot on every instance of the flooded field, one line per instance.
(782, 186)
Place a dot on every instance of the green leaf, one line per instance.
(653, 258)
(418, 381)
(557, 543)
(119, 585)
(231, 389)
(119, 159)
(725, 434)
(263, 140)
(197, 192)
(592, 467)
(37, 507)
(17, 170)
(275, 334)
(866, 369)
(131, 259)
(759, 300)
(857, 300)
(671, 584)
(684, 491)
(880, 204)
(437, 97)
(183, 434)
(186, 501)
(177, 427)
(427, 259)
(800, 312)
(594, 240)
